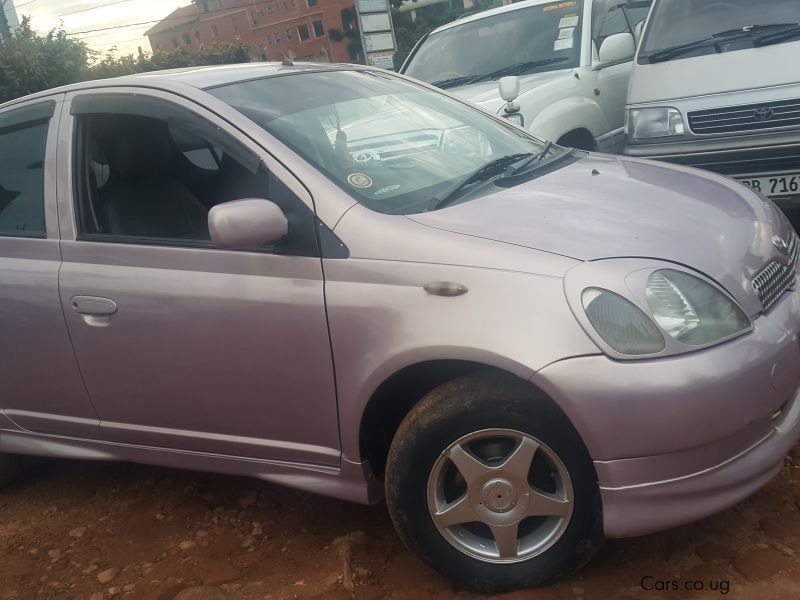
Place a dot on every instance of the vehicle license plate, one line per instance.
(774, 185)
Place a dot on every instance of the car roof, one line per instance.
(490, 13)
(198, 77)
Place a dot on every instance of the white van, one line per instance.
(716, 85)
(570, 61)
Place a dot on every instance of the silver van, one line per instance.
(716, 85)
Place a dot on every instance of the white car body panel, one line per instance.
(559, 102)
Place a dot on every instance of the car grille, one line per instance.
(749, 117)
(388, 148)
(776, 278)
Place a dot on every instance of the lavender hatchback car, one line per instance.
(338, 279)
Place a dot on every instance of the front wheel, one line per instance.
(492, 486)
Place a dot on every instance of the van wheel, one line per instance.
(580, 139)
(491, 485)
(9, 466)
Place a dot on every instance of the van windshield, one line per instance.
(719, 26)
(538, 38)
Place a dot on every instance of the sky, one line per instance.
(97, 14)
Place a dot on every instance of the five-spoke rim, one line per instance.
(500, 495)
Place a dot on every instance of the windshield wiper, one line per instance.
(675, 51)
(454, 81)
(517, 169)
(792, 30)
(486, 172)
(520, 68)
(752, 29)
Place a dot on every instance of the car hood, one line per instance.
(602, 207)
(487, 93)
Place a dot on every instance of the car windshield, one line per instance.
(713, 26)
(534, 39)
(391, 144)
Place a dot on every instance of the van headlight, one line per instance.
(692, 311)
(645, 123)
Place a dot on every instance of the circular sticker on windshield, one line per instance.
(359, 180)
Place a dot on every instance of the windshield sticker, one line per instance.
(564, 44)
(359, 180)
(571, 21)
(387, 189)
(560, 5)
(567, 33)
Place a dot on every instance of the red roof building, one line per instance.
(316, 30)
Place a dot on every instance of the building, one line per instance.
(442, 7)
(8, 20)
(316, 30)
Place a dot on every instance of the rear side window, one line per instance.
(22, 154)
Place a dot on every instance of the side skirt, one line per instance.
(351, 481)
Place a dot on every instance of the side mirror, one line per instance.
(509, 90)
(616, 49)
(509, 87)
(248, 223)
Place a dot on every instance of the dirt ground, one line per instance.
(72, 530)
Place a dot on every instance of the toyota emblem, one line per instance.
(763, 114)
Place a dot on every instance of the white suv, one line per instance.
(572, 61)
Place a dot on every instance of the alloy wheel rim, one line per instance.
(500, 495)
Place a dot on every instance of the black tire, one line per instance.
(9, 466)
(459, 408)
(580, 139)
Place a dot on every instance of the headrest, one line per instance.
(138, 146)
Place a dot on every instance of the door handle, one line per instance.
(96, 311)
(93, 306)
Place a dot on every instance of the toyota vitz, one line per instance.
(341, 280)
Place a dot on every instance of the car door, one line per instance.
(610, 17)
(42, 389)
(183, 345)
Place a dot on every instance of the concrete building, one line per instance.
(9, 22)
(318, 30)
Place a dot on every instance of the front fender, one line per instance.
(569, 114)
(381, 321)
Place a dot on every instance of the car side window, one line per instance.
(23, 143)
(610, 17)
(150, 175)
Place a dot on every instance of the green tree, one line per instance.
(31, 63)
(112, 65)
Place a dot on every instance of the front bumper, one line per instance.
(677, 439)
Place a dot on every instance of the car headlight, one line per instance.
(644, 123)
(692, 311)
(621, 324)
(516, 117)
